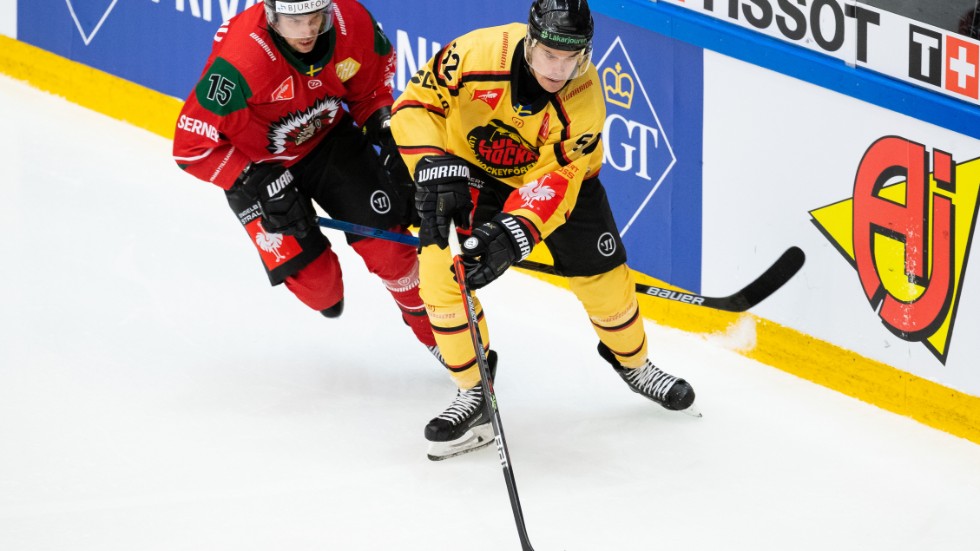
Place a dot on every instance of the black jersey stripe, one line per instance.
(420, 149)
(435, 110)
(633, 352)
(620, 327)
(566, 132)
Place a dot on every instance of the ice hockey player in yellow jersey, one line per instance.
(502, 131)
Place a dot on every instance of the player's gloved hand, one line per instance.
(442, 195)
(495, 246)
(284, 209)
(378, 131)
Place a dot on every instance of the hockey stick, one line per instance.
(489, 398)
(781, 271)
(775, 276)
(368, 231)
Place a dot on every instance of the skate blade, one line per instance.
(474, 439)
(692, 410)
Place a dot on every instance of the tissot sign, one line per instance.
(861, 35)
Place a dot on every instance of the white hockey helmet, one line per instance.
(299, 18)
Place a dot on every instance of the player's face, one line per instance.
(553, 68)
(300, 31)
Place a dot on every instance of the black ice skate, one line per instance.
(663, 388)
(465, 425)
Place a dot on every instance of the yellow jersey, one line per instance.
(463, 102)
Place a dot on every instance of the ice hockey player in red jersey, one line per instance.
(502, 132)
(267, 123)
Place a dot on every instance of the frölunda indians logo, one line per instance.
(907, 232)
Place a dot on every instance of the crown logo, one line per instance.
(618, 86)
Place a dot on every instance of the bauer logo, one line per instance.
(635, 141)
(907, 232)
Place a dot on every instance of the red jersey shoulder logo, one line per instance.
(285, 91)
(490, 97)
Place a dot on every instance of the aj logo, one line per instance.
(89, 18)
(907, 233)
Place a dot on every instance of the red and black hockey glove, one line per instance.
(284, 209)
(495, 246)
(442, 195)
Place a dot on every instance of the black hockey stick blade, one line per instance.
(781, 271)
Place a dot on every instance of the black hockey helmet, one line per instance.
(561, 25)
(299, 18)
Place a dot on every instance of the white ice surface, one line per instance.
(157, 394)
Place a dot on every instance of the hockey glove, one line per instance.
(442, 195)
(495, 246)
(284, 209)
(378, 131)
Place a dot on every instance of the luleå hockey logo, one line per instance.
(500, 150)
(909, 240)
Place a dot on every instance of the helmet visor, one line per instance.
(554, 63)
(301, 20)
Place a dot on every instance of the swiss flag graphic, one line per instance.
(285, 91)
(962, 65)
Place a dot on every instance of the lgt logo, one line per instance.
(634, 139)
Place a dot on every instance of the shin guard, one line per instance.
(398, 268)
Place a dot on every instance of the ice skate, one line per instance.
(465, 425)
(671, 392)
(434, 350)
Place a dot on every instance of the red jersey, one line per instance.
(257, 101)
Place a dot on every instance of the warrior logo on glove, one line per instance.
(496, 246)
